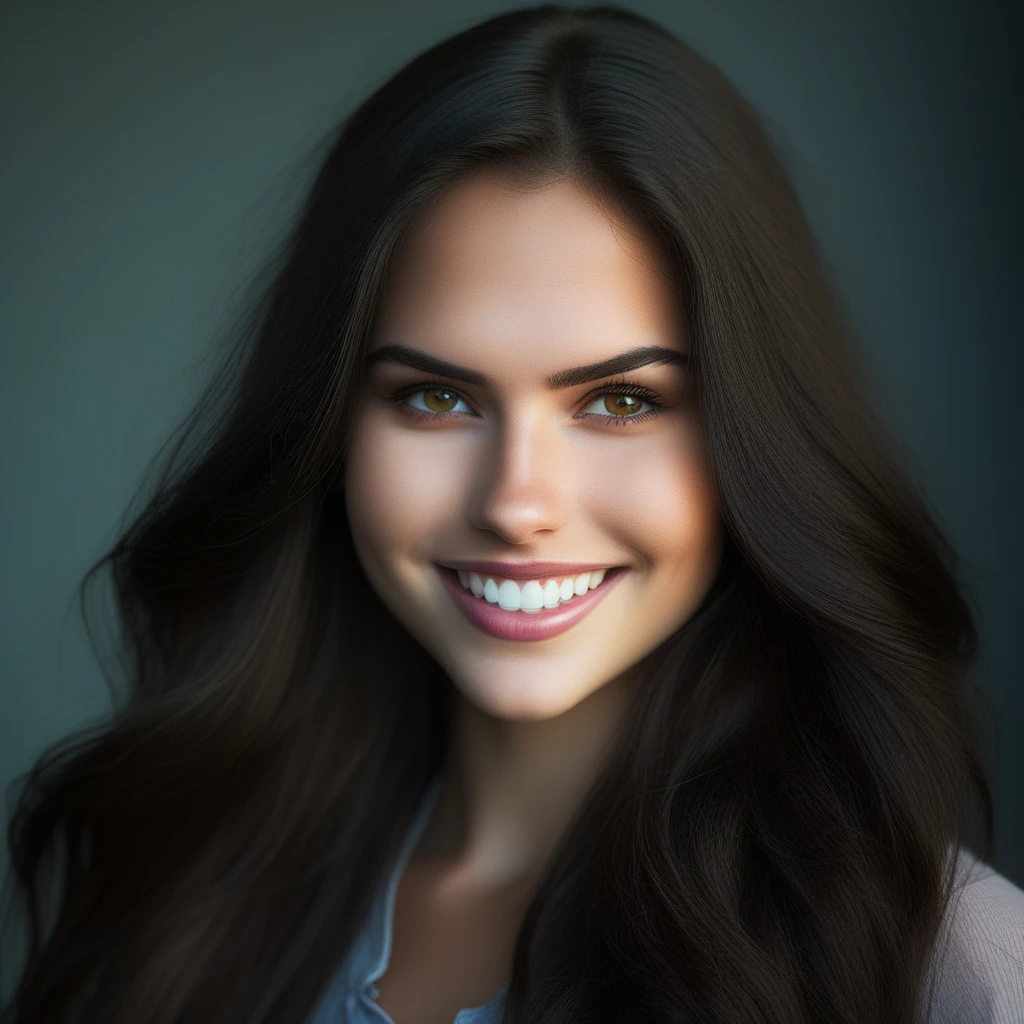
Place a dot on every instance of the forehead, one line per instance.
(526, 281)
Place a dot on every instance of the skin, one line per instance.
(519, 285)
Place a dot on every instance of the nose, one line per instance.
(524, 482)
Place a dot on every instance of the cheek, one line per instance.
(661, 499)
(395, 492)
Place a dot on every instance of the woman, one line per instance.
(539, 630)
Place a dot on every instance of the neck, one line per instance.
(509, 788)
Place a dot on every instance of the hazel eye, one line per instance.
(617, 405)
(436, 400)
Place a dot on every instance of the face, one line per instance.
(517, 465)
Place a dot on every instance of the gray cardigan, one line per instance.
(979, 963)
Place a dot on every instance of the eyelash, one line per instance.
(624, 388)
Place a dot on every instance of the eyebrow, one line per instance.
(625, 361)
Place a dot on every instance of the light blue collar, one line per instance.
(354, 986)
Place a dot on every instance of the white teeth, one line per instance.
(509, 595)
(532, 596)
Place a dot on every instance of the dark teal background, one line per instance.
(153, 151)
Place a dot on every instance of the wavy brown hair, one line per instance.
(770, 839)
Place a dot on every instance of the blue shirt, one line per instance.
(349, 999)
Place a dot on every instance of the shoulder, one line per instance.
(979, 961)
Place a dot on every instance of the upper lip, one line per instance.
(526, 570)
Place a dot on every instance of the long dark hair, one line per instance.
(770, 840)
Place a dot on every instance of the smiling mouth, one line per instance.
(529, 596)
(499, 619)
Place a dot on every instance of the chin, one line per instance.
(512, 701)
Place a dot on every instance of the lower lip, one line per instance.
(526, 625)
